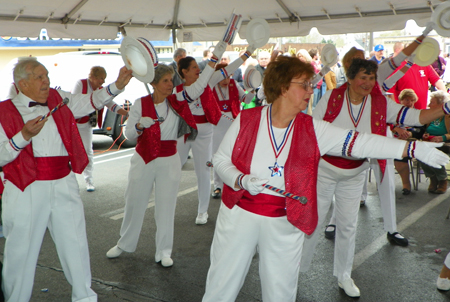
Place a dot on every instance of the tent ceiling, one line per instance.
(204, 20)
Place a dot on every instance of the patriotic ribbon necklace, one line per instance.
(277, 149)
(355, 119)
(222, 94)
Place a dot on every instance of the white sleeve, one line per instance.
(11, 148)
(134, 116)
(261, 95)
(222, 158)
(192, 92)
(401, 115)
(78, 88)
(83, 104)
(321, 107)
(219, 75)
(245, 97)
(336, 141)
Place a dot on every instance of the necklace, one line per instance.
(437, 122)
(277, 149)
(222, 93)
(162, 118)
(355, 119)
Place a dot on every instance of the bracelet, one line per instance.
(418, 41)
(409, 64)
(411, 149)
(246, 54)
(444, 138)
(214, 60)
(137, 129)
(239, 181)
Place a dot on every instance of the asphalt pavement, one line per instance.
(382, 271)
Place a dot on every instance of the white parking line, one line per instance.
(111, 159)
(113, 153)
(151, 203)
(381, 241)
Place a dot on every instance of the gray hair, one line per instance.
(263, 54)
(179, 52)
(22, 70)
(440, 96)
(160, 71)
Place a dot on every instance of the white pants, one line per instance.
(26, 215)
(346, 186)
(218, 134)
(165, 174)
(386, 193)
(237, 236)
(202, 152)
(86, 136)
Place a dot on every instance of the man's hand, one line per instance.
(124, 77)
(32, 128)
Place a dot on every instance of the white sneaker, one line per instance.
(166, 262)
(202, 218)
(443, 283)
(350, 288)
(90, 187)
(114, 252)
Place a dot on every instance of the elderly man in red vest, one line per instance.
(96, 78)
(38, 152)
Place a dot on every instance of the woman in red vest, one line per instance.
(206, 112)
(229, 96)
(359, 105)
(156, 121)
(257, 150)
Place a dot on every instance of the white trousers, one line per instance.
(346, 186)
(26, 215)
(386, 193)
(202, 152)
(238, 235)
(218, 134)
(163, 173)
(86, 136)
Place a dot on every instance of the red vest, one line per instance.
(378, 112)
(85, 119)
(22, 171)
(233, 103)
(149, 142)
(209, 104)
(300, 168)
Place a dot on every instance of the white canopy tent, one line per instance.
(204, 20)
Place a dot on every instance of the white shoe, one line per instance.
(90, 187)
(443, 283)
(202, 218)
(350, 288)
(114, 252)
(166, 262)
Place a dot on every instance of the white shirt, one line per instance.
(330, 141)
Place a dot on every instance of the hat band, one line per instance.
(155, 62)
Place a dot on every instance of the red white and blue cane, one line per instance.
(64, 102)
(302, 199)
(227, 117)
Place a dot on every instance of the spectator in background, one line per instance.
(330, 79)
(320, 88)
(439, 67)
(303, 55)
(379, 52)
(225, 59)
(207, 54)
(398, 47)
(179, 54)
(263, 60)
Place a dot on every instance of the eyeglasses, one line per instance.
(305, 85)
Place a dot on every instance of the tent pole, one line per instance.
(174, 39)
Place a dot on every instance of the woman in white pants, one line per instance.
(229, 95)
(156, 121)
(206, 112)
(279, 146)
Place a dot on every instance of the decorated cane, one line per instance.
(302, 199)
(209, 164)
(64, 102)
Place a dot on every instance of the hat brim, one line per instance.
(257, 32)
(252, 79)
(441, 17)
(138, 58)
(329, 55)
(427, 52)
